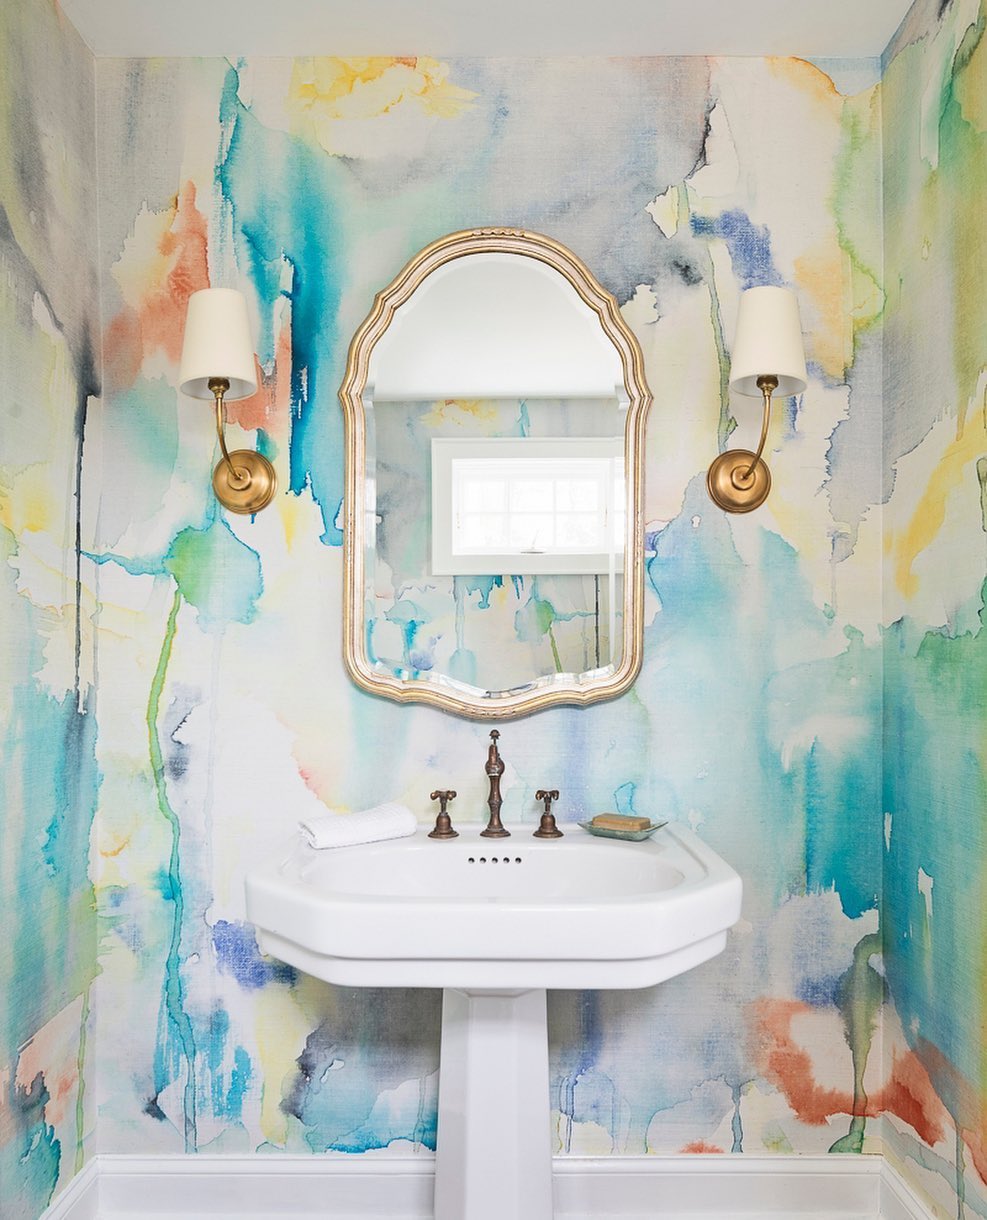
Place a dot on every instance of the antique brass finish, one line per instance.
(244, 481)
(738, 480)
(443, 822)
(359, 525)
(494, 769)
(546, 827)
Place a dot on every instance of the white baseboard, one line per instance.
(898, 1200)
(80, 1199)
(340, 1187)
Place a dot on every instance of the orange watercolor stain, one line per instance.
(908, 1093)
(807, 78)
(157, 323)
(700, 1146)
(109, 852)
(963, 1101)
(270, 406)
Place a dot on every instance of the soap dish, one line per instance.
(629, 836)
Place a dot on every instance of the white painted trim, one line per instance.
(80, 1199)
(686, 1187)
(337, 1185)
(691, 1187)
(898, 1200)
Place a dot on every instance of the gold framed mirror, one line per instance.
(494, 403)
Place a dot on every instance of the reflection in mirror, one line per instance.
(494, 403)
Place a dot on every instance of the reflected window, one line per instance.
(519, 505)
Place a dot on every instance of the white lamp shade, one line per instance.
(217, 344)
(768, 342)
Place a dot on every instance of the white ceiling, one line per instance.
(445, 28)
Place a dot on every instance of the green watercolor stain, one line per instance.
(217, 574)
(173, 999)
(860, 995)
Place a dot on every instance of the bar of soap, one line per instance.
(620, 821)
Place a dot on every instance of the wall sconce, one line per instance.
(767, 357)
(218, 363)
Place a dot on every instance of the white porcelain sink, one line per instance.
(494, 922)
(577, 912)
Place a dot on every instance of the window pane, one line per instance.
(531, 532)
(480, 532)
(579, 530)
(531, 495)
(479, 494)
(577, 495)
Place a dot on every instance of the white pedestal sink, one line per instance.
(494, 922)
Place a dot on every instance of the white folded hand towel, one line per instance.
(390, 821)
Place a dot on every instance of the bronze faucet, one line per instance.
(443, 822)
(546, 827)
(494, 769)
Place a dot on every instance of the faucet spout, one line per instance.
(494, 769)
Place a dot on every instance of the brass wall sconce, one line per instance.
(218, 363)
(768, 358)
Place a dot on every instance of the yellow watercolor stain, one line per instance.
(326, 91)
(930, 512)
(295, 518)
(29, 503)
(459, 411)
(281, 1031)
(832, 339)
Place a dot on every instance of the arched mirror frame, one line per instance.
(543, 692)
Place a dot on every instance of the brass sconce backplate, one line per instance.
(245, 482)
(738, 481)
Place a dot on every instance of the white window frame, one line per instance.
(450, 560)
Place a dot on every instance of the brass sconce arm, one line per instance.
(767, 385)
(248, 484)
(219, 386)
(738, 480)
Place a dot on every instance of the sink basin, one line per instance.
(494, 922)
(475, 913)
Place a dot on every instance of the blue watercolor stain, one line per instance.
(237, 954)
(281, 196)
(464, 586)
(50, 849)
(163, 883)
(219, 1026)
(226, 1102)
(819, 991)
(462, 666)
(30, 1155)
(749, 246)
(409, 617)
(623, 798)
(50, 776)
(367, 1139)
(422, 656)
(239, 1080)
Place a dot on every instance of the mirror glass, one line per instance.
(494, 404)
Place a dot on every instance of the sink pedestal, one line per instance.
(494, 1154)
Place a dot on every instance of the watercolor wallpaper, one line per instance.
(49, 354)
(935, 641)
(812, 693)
